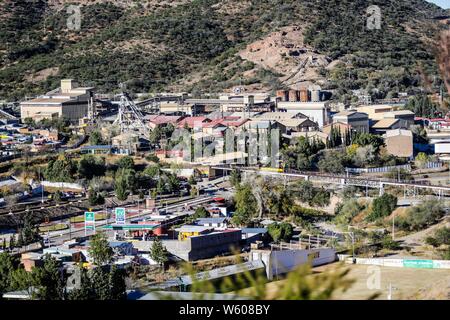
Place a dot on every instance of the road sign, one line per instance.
(89, 221)
(421, 264)
(120, 215)
(89, 216)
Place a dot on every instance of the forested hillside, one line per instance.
(194, 45)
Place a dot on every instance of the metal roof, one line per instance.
(97, 147)
(254, 230)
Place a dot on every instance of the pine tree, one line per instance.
(12, 242)
(20, 241)
(158, 252)
(117, 284)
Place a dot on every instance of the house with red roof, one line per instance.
(162, 120)
(191, 122)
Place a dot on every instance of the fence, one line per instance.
(379, 169)
(403, 263)
(431, 165)
(62, 185)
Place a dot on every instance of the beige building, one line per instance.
(399, 143)
(70, 101)
(384, 125)
(315, 111)
(311, 136)
(342, 127)
(298, 125)
(376, 112)
(405, 117)
(357, 120)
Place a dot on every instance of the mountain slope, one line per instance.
(212, 45)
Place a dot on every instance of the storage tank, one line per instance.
(249, 100)
(304, 95)
(293, 96)
(283, 95)
(315, 95)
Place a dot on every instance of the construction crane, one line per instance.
(130, 117)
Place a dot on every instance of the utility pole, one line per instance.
(393, 226)
(391, 288)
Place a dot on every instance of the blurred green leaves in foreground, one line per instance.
(299, 284)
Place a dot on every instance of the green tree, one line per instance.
(346, 211)
(7, 266)
(12, 242)
(117, 284)
(101, 284)
(246, 205)
(96, 138)
(158, 252)
(421, 216)
(48, 280)
(332, 162)
(85, 289)
(441, 237)
(29, 231)
(321, 198)
(201, 212)
(421, 160)
(192, 181)
(61, 170)
(57, 196)
(99, 250)
(365, 139)
(280, 231)
(95, 198)
(124, 183)
(382, 206)
(126, 162)
(422, 106)
(235, 178)
(91, 166)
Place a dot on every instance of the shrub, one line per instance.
(280, 231)
(421, 216)
(382, 206)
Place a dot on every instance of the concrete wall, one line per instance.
(283, 261)
(403, 263)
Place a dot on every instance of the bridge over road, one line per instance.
(410, 188)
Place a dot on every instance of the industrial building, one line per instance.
(69, 101)
(318, 112)
(357, 120)
(399, 143)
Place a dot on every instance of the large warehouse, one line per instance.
(70, 102)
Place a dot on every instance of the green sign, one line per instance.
(421, 264)
(120, 215)
(89, 216)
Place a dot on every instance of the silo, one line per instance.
(304, 95)
(282, 95)
(315, 95)
(293, 96)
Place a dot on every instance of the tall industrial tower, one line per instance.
(130, 117)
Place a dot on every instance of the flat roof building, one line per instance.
(399, 143)
(70, 102)
(357, 120)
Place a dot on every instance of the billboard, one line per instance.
(89, 221)
(120, 215)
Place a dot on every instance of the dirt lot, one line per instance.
(409, 283)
